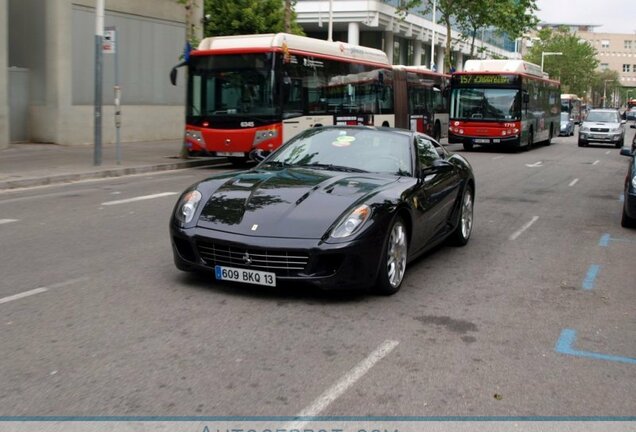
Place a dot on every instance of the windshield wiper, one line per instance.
(275, 163)
(332, 167)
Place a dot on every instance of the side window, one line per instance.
(426, 151)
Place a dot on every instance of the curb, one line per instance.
(114, 172)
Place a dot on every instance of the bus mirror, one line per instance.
(526, 98)
(173, 76)
(381, 78)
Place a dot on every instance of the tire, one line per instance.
(549, 141)
(530, 140)
(582, 143)
(393, 261)
(621, 143)
(468, 146)
(626, 221)
(461, 234)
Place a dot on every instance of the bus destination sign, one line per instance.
(486, 79)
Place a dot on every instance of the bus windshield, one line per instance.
(485, 104)
(238, 85)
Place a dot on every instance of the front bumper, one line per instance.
(349, 265)
(600, 137)
(484, 141)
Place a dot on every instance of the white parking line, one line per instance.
(497, 157)
(343, 384)
(517, 233)
(595, 162)
(139, 198)
(573, 182)
(40, 290)
(608, 152)
(6, 221)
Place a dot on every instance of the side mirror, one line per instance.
(626, 151)
(438, 166)
(526, 98)
(173, 76)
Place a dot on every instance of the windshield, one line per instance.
(603, 117)
(485, 103)
(231, 85)
(348, 149)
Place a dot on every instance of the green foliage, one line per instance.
(513, 17)
(247, 17)
(575, 68)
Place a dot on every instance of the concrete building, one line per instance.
(374, 23)
(47, 70)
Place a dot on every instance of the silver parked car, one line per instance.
(567, 124)
(602, 126)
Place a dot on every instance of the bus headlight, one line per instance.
(264, 135)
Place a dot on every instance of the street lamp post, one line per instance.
(547, 53)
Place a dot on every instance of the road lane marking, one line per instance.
(6, 221)
(535, 165)
(608, 152)
(335, 391)
(139, 198)
(590, 277)
(520, 231)
(40, 290)
(595, 162)
(573, 182)
(607, 238)
(565, 345)
(497, 157)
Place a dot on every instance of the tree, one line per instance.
(575, 68)
(249, 17)
(513, 17)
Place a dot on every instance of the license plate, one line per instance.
(482, 140)
(255, 277)
(597, 136)
(234, 154)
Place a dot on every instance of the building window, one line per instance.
(626, 68)
(628, 44)
(604, 66)
(605, 43)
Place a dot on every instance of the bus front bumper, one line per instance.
(484, 141)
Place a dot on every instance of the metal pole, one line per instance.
(330, 34)
(604, 92)
(117, 103)
(99, 38)
(433, 36)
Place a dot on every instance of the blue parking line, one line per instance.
(590, 278)
(565, 345)
(605, 239)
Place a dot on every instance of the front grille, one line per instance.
(599, 129)
(281, 262)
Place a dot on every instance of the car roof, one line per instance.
(374, 128)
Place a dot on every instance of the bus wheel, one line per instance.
(530, 140)
(468, 146)
(549, 141)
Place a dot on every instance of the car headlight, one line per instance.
(585, 129)
(352, 222)
(187, 206)
(616, 130)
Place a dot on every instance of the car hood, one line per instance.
(611, 125)
(291, 202)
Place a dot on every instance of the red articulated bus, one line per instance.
(503, 102)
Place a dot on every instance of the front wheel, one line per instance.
(393, 263)
(626, 221)
(461, 235)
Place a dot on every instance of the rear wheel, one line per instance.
(461, 235)
(393, 263)
(530, 140)
(549, 141)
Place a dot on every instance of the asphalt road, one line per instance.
(535, 316)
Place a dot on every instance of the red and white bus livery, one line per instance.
(253, 92)
(503, 102)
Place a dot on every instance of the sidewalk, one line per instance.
(27, 165)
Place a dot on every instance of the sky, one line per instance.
(613, 16)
